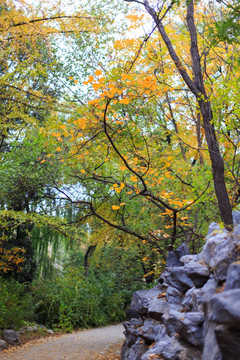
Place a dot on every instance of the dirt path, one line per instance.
(95, 344)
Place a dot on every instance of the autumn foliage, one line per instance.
(123, 135)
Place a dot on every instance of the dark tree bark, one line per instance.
(196, 86)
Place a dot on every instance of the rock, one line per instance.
(3, 345)
(133, 327)
(182, 250)
(236, 232)
(131, 314)
(213, 227)
(11, 337)
(173, 258)
(133, 350)
(173, 295)
(139, 302)
(167, 348)
(187, 300)
(209, 289)
(189, 326)
(187, 258)
(233, 277)
(222, 329)
(177, 277)
(189, 316)
(149, 303)
(197, 272)
(219, 252)
(228, 342)
(236, 217)
(224, 308)
(157, 307)
(49, 331)
(211, 350)
(197, 300)
(152, 330)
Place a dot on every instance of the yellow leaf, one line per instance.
(122, 204)
(43, 161)
(83, 171)
(49, 155)
(70, 78)
(98, 72)
(124, 101)
(58, 149)
(96, 86)
(115, 207)
(133, 178)
(75, 81)
(90, 78)
(122, 185)
(93, 102)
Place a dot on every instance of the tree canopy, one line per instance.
(128, 113)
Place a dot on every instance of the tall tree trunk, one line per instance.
(196, 86)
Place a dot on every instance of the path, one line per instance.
(94, 344)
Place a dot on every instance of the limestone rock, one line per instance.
(233, 277)
(173, 258)
(157, 307)
(228, 342)
(3, 345)
(189, 326)
(213, 227)
(224, 308)
(219, 252)
(197, 272)
(173, 295)
(190, 316)
(211, 350)
(11, 337)
(236, 217)
(177, 277)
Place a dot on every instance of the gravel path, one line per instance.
(83, 345)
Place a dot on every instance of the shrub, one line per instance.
(15, 304)
(78, 301)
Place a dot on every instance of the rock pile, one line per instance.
(194, 312)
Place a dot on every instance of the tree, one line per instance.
(227, 28)
(31, 92)
(150, 164)
(197, 88)
(128, 147)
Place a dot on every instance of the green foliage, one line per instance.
(15, 304)
(79, 301)
(228, 28)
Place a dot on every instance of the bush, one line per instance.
(15, 304)
(79, 301)
(75, 300)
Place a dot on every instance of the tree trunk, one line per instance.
(196, 86)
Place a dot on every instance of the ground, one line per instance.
(94, 344)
